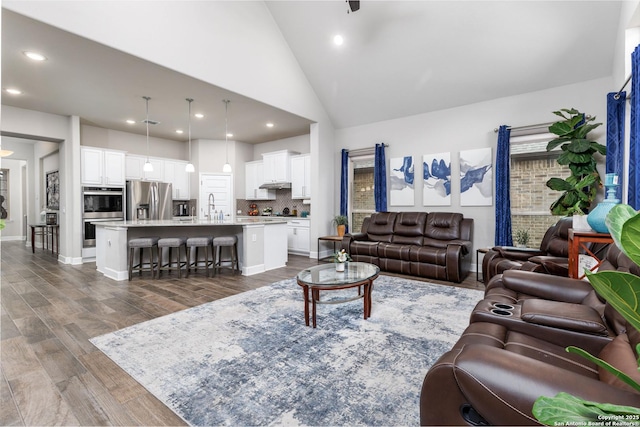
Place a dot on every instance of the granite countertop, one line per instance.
(191, 222)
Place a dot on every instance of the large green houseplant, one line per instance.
(622, 291)
(579, 189)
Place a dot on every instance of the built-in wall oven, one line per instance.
(100, 204)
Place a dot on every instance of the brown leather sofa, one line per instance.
(513, 351)
(434, 245)
(551, 258)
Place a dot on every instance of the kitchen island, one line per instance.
(262, 242)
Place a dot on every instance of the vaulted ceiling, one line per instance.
(399, 58)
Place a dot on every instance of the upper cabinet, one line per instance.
(277, 166)
(134, 168)
(254, 177)
(102, 167)
(301, 176)
(175, 173)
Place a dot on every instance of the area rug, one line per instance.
(250, 360)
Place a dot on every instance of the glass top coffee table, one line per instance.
(325, 278)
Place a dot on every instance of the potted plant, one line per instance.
(620, 290)
(341, 222)
(340, 258)
(522, 237)
(579, 189)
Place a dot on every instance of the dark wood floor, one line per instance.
(52, 374)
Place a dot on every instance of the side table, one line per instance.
(333, 239)
(478, 267)
(577, 243)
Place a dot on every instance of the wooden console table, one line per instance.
(578, 242)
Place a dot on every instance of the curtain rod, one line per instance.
(617, 95)
(539, 125)
(364, 150)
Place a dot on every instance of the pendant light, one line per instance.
(148, 167)
(227, 167)
(189, 168)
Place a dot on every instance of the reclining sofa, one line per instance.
(513, 351)
(434, 245)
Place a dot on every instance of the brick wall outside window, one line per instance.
(531, 198)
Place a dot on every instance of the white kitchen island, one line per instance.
(262, 242)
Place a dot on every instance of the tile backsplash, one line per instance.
(283, 200)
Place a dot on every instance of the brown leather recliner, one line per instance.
(435, 245)
(514, 350)
(551, 258)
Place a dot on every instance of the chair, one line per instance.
(225, 241)
(551, 258)
(197, 243)
(142, 243)
(172, 243)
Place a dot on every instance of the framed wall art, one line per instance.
(476, 177)
(436, 176)
(53, 190)
(401, 177)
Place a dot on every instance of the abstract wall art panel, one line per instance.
(401, 181)
(476, 177)
(436, 175)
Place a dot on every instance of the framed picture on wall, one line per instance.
(400, 183)
(476, 177)
(53, 190)
(436, 176)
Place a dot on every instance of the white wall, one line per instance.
(470, 127)
(300, 144)
(133, 143)
(43, 126)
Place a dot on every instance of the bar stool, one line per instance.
(171, 243)
(197, 243)
(225, 241)
(142, 243)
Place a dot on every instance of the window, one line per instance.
(531, 167)
(361, 200)
(4, 193)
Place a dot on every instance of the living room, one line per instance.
(457, 127)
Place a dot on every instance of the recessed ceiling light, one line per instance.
(14, 91)
(34, 56)
(199, 115)
(338, 40)
(179, 131)
(270, 125)
(131, 122)
(229, 135)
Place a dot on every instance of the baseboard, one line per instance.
(255, 269)
(12, 238)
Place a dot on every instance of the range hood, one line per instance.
(275, 185)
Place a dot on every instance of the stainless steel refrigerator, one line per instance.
(149, 200)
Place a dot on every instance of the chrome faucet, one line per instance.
(212, 204)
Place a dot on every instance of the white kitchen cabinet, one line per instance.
(175, 173)
(298, 240)
(134, 165)
(301, 176)
(254, 178)
(102, 167)
(277, 166)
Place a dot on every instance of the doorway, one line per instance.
(215, 195)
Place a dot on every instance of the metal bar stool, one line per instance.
(142, 243)
(225, 241)
(197, 243)
(172, 243)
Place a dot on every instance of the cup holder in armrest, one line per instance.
(503, 306)
(500, 312)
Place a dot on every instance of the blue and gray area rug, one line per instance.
(250, 360)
